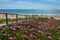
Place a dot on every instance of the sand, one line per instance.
(10, 16)
(3, 16)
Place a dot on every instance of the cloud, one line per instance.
(19, 4)
(55, 1)
(4, 0)
(31, 0)
(16, 0)
(24, 5)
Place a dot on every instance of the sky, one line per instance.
(29, 4)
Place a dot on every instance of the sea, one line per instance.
(31, 11)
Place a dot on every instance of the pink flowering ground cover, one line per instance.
(36, 29)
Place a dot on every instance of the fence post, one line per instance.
(26, 17)
(6, 19)
(32, 16)
(16, 18)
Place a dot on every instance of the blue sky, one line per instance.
(29, 4)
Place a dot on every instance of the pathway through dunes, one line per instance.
(2, 16)
(12, 18)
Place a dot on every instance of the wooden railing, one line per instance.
(17, 19)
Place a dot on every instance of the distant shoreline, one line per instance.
(55, 16)
(32, 14)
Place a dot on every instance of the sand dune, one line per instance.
(3, 16)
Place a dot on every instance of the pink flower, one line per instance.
(4, 34)
(33, 28)
(43, 33)
(11, 38)
(31, 35)
(39, 31)
(13, 28)
(49, 37)
(18, 27)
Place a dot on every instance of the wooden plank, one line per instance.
(6, 19)
(16, 18)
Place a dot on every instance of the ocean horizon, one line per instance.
(31, 11)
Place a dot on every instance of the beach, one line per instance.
(13, 17)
